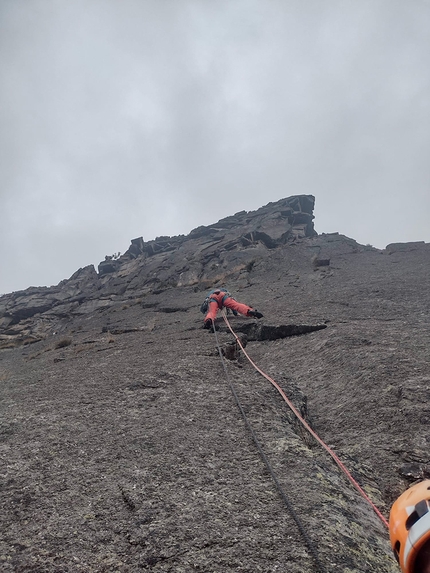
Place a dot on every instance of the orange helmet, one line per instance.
(410, 524)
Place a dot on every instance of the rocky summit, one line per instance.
(131, 439)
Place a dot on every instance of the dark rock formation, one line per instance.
(204, 257)
(122, 448)
(256, 331)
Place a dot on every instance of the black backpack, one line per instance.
(205, 306)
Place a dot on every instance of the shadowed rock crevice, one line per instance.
(255, 331)
(170, 309)
(231, 350)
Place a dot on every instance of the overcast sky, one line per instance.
(128, 118)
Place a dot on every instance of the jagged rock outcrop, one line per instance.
(32, 314)
(205, 256)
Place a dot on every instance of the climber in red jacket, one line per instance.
(220, 297)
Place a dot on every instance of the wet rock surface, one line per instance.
(122, 447)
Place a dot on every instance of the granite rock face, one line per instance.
(122, 447)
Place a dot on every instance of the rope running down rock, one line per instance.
(308, 541)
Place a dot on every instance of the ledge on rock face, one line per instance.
(23, 313)
(261, 332)
(17, 341)
(405, 247)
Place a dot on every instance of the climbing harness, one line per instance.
(205, 305)
(308, 428)
(308, 541)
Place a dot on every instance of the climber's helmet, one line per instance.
(410, 526)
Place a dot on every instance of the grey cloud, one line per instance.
(121, 119)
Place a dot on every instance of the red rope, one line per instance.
(308, 428)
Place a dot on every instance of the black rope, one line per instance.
(292, 512)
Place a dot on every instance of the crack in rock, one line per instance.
(259, 332)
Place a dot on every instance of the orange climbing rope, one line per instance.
(306, 425)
